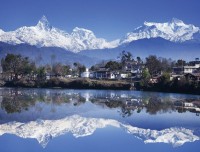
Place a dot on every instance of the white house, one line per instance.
(188, 104)
(193, 67)
(85, 74)
(103, 74)
(124, 75)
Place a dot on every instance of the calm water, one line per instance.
(56, 120)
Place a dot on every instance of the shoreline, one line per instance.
(93, 84)
(78, 83)
(84, 83)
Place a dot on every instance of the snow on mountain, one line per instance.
(43, 34)
(44, 130)
(1, 31)
(175, 31)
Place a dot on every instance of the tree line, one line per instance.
(16, 67)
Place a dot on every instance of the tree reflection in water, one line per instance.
(17, 100)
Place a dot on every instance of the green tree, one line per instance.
(41, 72)
(164, 79)
(145, 77)
(79, 68)
(153, 64)
(113, 65)
(17, 65)
(57, 69)
(180, 63)
(139, 60)
(125, 57)
(65, 69)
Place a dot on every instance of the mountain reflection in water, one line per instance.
(45, 130)
(44, 114)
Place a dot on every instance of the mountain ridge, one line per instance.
(45, 35)
(45, 130)
(175, 30)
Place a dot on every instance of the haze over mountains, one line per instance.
(173, 39)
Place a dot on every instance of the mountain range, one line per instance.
(45, 35)
(45, 130)
(173, 39)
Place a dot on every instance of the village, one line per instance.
(133, 71)
(152, 73)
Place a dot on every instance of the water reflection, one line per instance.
(44, 114)
(45, 130)
(18, 100)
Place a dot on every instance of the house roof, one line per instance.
(191, 67)
(194, 74)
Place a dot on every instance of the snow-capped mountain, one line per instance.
(175, 31)
(1, 32)
(45, 35)
(44, 130)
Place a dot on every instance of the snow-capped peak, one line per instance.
(175, 30)
(45, 35)
(1, 31)
(44, 130)
(44, 24)
(177, 21)
(173, 22)
(82, 33)
(78, 29)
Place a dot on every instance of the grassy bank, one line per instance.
(185, 87)
(77, 83)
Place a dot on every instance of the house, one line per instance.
(123, 75)
(101, 74)
(177, 70)
(128, 66)
(85, 74)
(193, 76)
(176, 77)
(188, 104)
(68, 76)
(104, 74)
(49, 75)
(155, 79)
(192, 67)
(134, 68)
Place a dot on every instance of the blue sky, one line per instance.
(110, 19)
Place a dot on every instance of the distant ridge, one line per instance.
(45, 35)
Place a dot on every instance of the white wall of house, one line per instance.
(85, 74)
(112, 76)
(48, 77)
(188, 104)
(124, 75)
(191, 69)
(68, 76)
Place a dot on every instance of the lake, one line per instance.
(61, 120)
